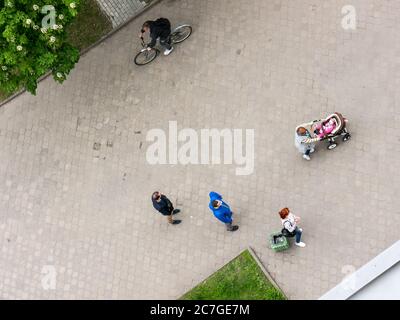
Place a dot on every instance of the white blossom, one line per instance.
(55, 27)
(59, 75)
(35, 27)
(72, 5)
(28, 21)
(61, 16)
(44, 30)
(35, 7)
(52, 39)
(19, 48)
(4, 68)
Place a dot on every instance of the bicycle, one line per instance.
(178, 35)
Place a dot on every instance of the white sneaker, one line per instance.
(312, 150)
(300, 244)
(306, 157)
(167, 52)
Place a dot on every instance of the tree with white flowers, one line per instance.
(33, 41)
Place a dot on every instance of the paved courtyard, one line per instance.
(75, 185)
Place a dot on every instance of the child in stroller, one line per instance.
(334, 126)
(325, 128)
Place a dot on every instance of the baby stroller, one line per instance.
(340, 129)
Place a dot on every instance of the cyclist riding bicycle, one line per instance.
(158, 29)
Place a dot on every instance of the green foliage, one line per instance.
(33, 40)
(90, 25)
(240, 279)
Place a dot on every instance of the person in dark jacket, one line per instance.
(221, 210)
(159, 29)
(163, 205)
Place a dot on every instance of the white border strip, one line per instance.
(367, 273)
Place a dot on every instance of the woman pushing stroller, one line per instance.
(328, 129)
(305, 143)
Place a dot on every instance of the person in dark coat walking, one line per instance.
(221, 210)
(163, 205)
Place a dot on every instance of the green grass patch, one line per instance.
(240, 279)
(3, 96)
(89, 26)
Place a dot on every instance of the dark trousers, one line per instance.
(169, 216)
(229, 226)
(166, 43)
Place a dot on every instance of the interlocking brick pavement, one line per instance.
(75, 185)
(120, 11)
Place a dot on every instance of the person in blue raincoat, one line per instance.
(222, 211)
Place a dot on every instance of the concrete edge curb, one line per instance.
(266, 273)
(86, 50)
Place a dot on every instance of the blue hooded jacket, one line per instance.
(223, 213)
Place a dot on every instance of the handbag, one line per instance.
(286, 233)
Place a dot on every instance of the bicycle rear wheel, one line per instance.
(145, 57)
(181, 33)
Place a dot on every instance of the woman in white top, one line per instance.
(289, 222)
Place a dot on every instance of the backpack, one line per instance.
(286, 233)
(163, 23)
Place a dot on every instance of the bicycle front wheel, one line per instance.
(145, 57)
(181, 33)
